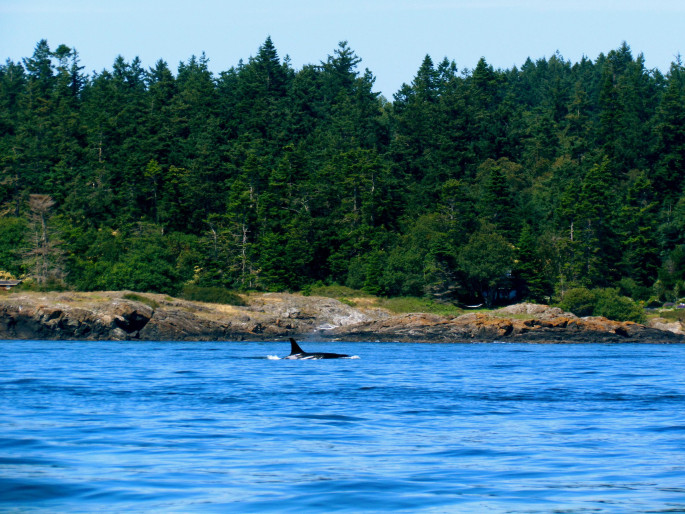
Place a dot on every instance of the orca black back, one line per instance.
(298, 353)
(295, 348)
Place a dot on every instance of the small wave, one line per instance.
(326, 417)
(354, 357)
(669, 428)
(21, 381)
(10, 442)
(24, 461)
(273, 357)
(470, 452)
(19, 490)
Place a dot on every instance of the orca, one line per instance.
(298, 353)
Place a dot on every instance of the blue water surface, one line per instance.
(224, 427)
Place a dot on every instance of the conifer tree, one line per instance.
(640, 256)
(668, 174)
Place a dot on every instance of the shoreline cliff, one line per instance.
(110, 316)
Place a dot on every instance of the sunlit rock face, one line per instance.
(273, 316)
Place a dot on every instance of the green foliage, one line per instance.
(612, 305)
(672, 314)
(605, 302)
(580, 301)
(487, 260)
(12, 239)
(150, 302)
(396, 305)
(467, 185)
(423, 261)
(211, 295)
(628, 287)
(51, 284)
(374, 273)
(408, 304)
(335, 291)
(530, 266)
(496, 203)
(141, 260)
(348, 302)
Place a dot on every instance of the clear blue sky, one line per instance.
(391, 36)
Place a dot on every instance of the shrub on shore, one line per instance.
(150, 302)
(605, 302)
(212, 295)
(52, 284)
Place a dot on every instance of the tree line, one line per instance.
(474, 185)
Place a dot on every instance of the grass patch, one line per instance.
(150, 302)
(212, 295)
(45, 287)
(406, 304)
(396, 305)
(672, 314)
(336, 291)
(505, 315)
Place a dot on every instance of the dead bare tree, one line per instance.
(45, 254)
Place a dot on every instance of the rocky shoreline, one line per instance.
(110, 316)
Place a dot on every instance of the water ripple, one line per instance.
(217, 427)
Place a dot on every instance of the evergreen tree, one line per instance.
(496, 204)
(595, 231)
(487, 260)
(640, 255)
(269, 177)
(668, 174)
(12, 85)
(530, 267)
(162, 89)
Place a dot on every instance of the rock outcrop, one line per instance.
(27, 316)
(113, 316)
(676, 327)
(516, 323)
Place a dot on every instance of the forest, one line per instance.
(475, 186)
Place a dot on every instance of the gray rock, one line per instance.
(108, 316)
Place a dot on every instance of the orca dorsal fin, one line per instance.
(295, 348)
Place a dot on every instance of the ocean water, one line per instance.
(229, 427)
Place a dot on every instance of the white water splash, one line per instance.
(273, 357)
